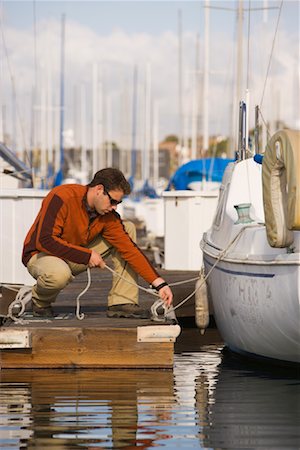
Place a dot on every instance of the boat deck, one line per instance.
(95, 341)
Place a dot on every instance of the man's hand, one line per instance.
(166, 295)
(165, 292)
(96, 260)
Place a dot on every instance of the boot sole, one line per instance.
(120, 315)
(44, 316)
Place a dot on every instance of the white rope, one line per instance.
(22, 298)
(177, 283)
(150, 291)
(220, 257)
(80, 316)
(10, 287)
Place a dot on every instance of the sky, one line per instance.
(106, 42)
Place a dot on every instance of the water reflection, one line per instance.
(206, 402)
(253, 407)
(71, 408)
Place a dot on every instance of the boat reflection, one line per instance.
(252, 406)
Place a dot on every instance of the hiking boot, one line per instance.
(128, 310)
(46, 312)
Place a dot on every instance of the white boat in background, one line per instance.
(18, 210)
(188, 214)
(252, 253)
(189, 208)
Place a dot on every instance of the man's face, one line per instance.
(106, 201)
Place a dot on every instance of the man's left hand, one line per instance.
(166, 295)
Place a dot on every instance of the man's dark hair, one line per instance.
(111, 179)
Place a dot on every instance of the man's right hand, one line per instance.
(96, 260)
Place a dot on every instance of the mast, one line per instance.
(239, 68)
(147, 138)
(195, 100)
(43, 130)
(109, 139)
(34, 88)
(206, 80)
(83, 121)
(133, 134)
(95, 116)
(156, 144)
(125, 128)
(49, 118)
(1, 98)
(180, 100)
(59, 175)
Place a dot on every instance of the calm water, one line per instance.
(209, 401)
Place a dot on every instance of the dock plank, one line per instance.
(96, 341)
(88, 347)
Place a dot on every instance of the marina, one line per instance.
(150, 147)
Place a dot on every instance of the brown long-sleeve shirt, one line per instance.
(63, 228)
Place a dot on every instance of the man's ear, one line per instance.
(99, 188)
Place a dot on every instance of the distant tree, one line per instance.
(218, 148)
(171, 138)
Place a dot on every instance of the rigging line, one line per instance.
(12, 78)
(271, 55)
(265, 123)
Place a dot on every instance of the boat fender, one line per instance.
(201, 305)
(281, 187)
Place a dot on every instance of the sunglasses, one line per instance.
(113, 201)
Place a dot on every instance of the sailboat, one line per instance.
(252, 253)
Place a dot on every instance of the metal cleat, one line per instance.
(168, 314)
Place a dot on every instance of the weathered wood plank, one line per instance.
(88, 347)
(96, 341)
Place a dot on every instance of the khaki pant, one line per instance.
(53, 274)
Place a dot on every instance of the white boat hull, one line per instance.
(256, 307)
(252, 254)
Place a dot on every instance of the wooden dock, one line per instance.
(96, 341)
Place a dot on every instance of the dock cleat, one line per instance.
(128, 311)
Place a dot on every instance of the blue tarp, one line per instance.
(210, 169)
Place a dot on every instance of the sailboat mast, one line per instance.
(206, 80)
(95, 106)
(239, 68)
(180, 100)
(62, 92)
(156, 143)
(133, 135)
(1, 91)
(195, 100)
(147, 121)
(83, 121)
